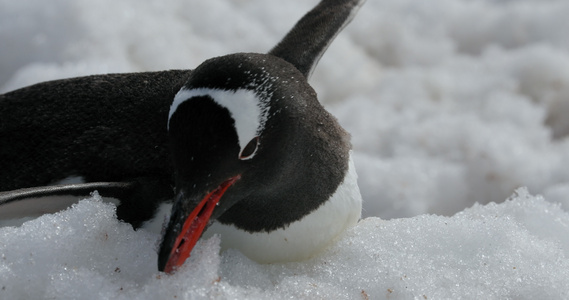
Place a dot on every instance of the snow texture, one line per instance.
(452, 106)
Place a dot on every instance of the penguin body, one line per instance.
(241, 140)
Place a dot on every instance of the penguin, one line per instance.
(240, 146)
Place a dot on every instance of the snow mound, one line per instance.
(518, 249)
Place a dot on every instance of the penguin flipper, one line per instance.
(35, 201)
(138, 199)
(310, 37)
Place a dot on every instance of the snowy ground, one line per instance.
(449, 102)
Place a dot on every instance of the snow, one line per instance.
(517, 250)
(452, 105)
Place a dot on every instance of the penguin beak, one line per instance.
(184, 229)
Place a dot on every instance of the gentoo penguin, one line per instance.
(241, 140)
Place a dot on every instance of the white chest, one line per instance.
(303, 238)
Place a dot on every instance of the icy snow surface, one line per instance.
(449, 102)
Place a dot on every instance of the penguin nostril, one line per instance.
(180, 245)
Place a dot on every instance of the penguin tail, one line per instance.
(310, 37)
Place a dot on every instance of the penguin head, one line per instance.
(231, 130)
(250, 140)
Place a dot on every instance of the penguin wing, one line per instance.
(137, 200)
(35, 201)
(310, 37)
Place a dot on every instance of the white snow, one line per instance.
(450, 103)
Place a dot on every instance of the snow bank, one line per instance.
(518, 250)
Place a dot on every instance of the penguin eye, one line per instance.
(249, 151)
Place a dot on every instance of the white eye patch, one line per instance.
(247, 110)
